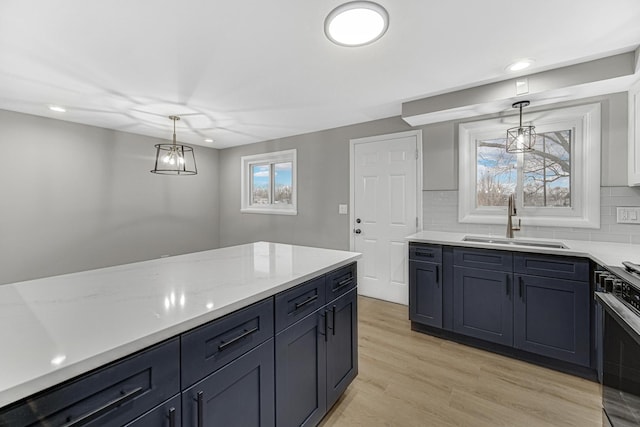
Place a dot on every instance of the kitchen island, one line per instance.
(56, 329)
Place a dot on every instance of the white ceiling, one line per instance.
(242, 71)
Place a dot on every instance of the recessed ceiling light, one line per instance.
(520, 65)
(356, 23)
(57, 108)
(208, 140)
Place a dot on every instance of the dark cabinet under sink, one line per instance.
(534, 306)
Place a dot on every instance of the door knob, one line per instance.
(357, 231)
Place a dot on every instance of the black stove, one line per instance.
(622, 283)
(619, 323)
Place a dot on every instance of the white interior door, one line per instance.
(385, 177)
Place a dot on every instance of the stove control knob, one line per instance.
(617, 286)
(608, 283)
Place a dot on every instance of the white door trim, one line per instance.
(352, 171)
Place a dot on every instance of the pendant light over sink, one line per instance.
(522, 138)
(175, 159)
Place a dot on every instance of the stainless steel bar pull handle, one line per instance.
(172, 417)
(245, 334)
(200, 400)
(343, 283)
(309, 300)
(84, 419)
(333, 316)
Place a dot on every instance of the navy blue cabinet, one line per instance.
(111, 396)
(342, 345)
(552, 307)
(425, 293)
(317, 356)
(483, 305)
(536, 303)
(425, 284)
(238, 395)
(282, 361)
(301, 371)
(168, 414)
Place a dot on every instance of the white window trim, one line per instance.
(245, 182)
(584, 121)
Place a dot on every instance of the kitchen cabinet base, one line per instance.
(547, 362)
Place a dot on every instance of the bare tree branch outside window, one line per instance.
(545, 172)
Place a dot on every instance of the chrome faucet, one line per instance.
(511, 212)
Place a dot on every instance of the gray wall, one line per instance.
(78, 197)
(323, 179)
(440, 143)
(323, 183)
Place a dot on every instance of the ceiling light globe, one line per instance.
(356, 23)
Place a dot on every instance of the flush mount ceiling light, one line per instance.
(522, 138)
(520, 65)
(175, 159)
(356, 23)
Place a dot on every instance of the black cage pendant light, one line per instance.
(175, 159)
(522, 138)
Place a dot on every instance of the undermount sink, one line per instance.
(516, 242)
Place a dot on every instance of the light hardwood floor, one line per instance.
(410, 379)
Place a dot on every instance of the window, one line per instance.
(556, 184)
(269, 183)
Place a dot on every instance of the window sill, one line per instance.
(268, 211)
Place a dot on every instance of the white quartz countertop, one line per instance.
(603, 253)
(56, 328)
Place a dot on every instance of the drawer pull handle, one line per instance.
(309, 300)
(200, 400)
(342, 284)
(425, 254)
(172, 417)
(104, 408)
(243, 335)
(437, 275)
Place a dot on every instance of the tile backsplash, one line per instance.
(440, 212)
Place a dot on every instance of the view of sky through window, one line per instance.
(541, 177)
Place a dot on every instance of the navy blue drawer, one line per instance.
(297, 303)
(341, 281)
(486, 259)
(555, 266)
(167, 414)
(110, 396)
(425, 252)
(211, 346)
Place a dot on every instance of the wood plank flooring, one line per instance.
(410, 379)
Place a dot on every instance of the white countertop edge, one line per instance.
(603, 253)
(68, 372)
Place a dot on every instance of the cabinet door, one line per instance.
(301, 397)
(240, 394)
(425, 293)
(342, 345)
(483, 307)
(551, 318)
(168, 414)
